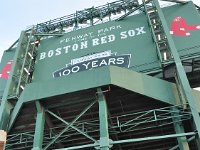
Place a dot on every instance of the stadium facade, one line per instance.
(86, 81)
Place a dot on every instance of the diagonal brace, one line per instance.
(70, 124)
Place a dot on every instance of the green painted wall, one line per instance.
(6, 58)
(109, 43)
(186, 45)
(130, 36)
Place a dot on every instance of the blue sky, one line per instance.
(16, 15)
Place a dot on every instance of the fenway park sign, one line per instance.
(91, 40)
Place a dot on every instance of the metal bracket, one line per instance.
(103, 142)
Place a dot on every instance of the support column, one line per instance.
(39, 127)
(5, 111)
(180, 70)
(6, 106)
(182, 141)
(103, 119)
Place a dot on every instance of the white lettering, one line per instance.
(90, 33)
(75, 47)
(120, 60)
(140, 30)
(42, 55)
(123, 35)
(79, 36)
(75, 69)
(94, 64)
(67, 40)
(112, 28)
(131, 33)
(100, 31)
(111, 60)
(58, 51)
(103, 62)
(50, 53)
(111, 38)
(103, 40)
(66, 72)
(84, 45)
(95, 42)
(73, 38)
(86, 65)
(60, 74)
(118, 26)
(66, 48)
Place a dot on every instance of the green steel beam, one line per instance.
(39, 127)
(15, 111)
(182, 141)
(5, 108)
(197, 141)
(103, 118)
(79, 147)
(133, 140)
(180, 70)
(13, 45)
(51, 126)
(111, 124)
(92, 98)
(176, 1)
(154, 138)
(153, 33)
(24, 62)
(75, 128)
(69, 125)
(189, 140)
(130, 12)
(49, 34)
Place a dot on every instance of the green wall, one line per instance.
(186, 45)
(7, 57)
(130, 36)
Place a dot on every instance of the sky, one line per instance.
(17, 15)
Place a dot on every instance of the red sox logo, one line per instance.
(6, 70)
(179, 27)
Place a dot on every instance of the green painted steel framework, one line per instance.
(175, 114)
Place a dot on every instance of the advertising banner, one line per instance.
(127, 43)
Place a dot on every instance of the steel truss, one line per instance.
(86, 17)
(139, 121)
